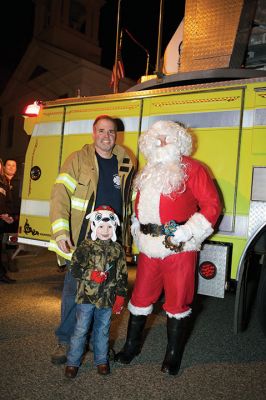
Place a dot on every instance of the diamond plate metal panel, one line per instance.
(259, 184)
(210, 32)
(218, 254)
(257, 216)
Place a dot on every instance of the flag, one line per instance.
(120, 70)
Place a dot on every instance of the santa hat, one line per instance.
(103, 214)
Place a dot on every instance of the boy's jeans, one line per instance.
(101, 326)
(68, 309)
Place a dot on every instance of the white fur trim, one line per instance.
(179, 315)
(152, 246)
(139, 310)
(149, 205)
(200, 227)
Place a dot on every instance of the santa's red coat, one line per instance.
(159, 267)
(200, 200)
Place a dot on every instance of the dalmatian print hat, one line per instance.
(103, 214)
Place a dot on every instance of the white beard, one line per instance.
(164, 171)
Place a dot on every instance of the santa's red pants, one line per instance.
(175, 274)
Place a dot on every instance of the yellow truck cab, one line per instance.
(228, 123)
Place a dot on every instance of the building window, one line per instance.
(77, 16)
(10, 132)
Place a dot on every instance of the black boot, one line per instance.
(131, 348)
(175, 346)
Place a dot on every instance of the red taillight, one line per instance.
(13, 239)
(32, 110)
(207, 270)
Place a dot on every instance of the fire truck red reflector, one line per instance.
(13, 239)
(207, 270)
(32, 110)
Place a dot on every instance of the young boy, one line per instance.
(99, 265)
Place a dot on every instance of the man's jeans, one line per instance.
(101, 328)
(68, 309)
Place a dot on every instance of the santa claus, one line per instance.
(176, 207)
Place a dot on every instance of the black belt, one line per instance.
(154, 229)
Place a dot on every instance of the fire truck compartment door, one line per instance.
(41, 168)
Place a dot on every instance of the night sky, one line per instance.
(16, 31)
(139, 17)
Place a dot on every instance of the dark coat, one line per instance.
(5, 197)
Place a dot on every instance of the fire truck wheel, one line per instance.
(261, 298)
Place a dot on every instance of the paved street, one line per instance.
(216, 365)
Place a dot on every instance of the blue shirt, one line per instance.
(109, 187)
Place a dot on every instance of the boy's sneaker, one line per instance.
(59, 355)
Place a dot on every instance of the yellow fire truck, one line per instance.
(221, 96)
(228, 122)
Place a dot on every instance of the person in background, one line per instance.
(5, 219)
(99, 265)
(99, 173)
(177, 206)
(10, 170)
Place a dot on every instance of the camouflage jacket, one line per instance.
(101, 255)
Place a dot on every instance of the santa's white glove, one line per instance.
(197, 227)
(134, 225)
(182, 234)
